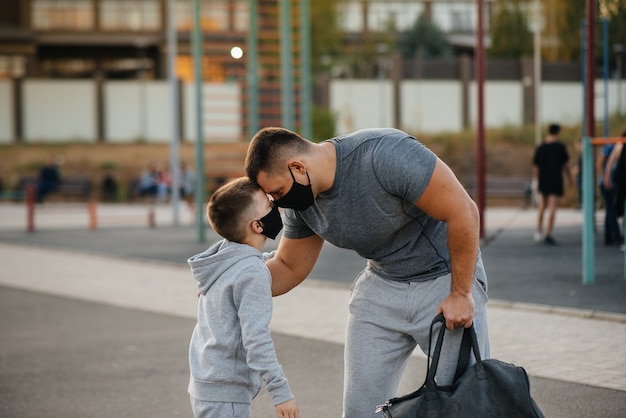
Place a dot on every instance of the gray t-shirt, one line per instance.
(370, 208)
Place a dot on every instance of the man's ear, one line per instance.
(297, 166)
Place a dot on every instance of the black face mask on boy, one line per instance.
(272, 223)
(299, 197)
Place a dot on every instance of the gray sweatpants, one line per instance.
(204, 409)
(388, 319)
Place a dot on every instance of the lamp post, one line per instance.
(480, 122)
(381, 49)
(619, 50)
(537, 26)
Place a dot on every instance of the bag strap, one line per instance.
(464, 353)
(431, 368)
(469, 343)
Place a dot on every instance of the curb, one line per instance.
(559, 310)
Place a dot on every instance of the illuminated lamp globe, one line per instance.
(236, 52)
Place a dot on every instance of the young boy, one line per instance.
(231, 349)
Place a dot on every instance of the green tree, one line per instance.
(326, 35)
(424, 39)
(509, 31)
(568, 16)
(615, 12)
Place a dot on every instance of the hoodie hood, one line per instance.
(209, 265)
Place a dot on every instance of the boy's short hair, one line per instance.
(230, 208)
(554, 129)
(270, 147)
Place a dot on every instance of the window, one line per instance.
(67, 68)
(130, 15)
(211, 70)
(12, 66)
(216, 15)
(62, 15)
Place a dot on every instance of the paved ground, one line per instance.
(96, 323)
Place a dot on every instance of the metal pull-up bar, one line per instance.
(588, 204)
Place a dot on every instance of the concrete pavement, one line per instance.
(573, 346)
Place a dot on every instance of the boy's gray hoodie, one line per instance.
(231, 348)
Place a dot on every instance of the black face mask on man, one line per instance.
(271, 223)
(299, 197)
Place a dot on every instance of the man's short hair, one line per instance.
(270, 147)
(230, 208)
(554, 129)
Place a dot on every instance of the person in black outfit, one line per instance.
(549, 164)
(49, 178)
(612, 233)
(109, 188)
(615, 181)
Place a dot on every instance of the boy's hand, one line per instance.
(287, 409)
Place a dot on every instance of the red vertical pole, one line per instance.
(30, 208)
(590, 71)
(480, 130)
(93, 214)
(151, 217)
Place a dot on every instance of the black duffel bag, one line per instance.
(489, 388)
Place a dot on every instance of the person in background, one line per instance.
(109, 192)
(148, 183)
(550, 164)
(615, 181)
(164, 185)
(231, 351)
(187, 185)
(606, 173)
(49, 179)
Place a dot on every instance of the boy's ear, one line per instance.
(256, 226)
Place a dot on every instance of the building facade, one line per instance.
(127, 39)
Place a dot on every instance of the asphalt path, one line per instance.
(62, 357)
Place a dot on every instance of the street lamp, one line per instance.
(236, 52)
(536, 27)
(381, 49)
(619, 50)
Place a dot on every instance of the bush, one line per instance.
(323, 124)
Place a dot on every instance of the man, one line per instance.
(549, 164)
(383, 194)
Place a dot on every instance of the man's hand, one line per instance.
(458, 309)
(287, 409)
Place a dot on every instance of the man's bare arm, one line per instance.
(294, 260)
(445, 199)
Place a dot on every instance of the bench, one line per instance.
(11, 195)
(70, 187)
(517, 188)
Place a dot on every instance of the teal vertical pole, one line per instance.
(174, 140)
(199, 144)
(305, 70)
(605, 72)
(583, 74)
(588, 218)
(286, 69)
(624, 232)
(252, 70)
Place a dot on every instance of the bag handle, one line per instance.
(468, 343)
